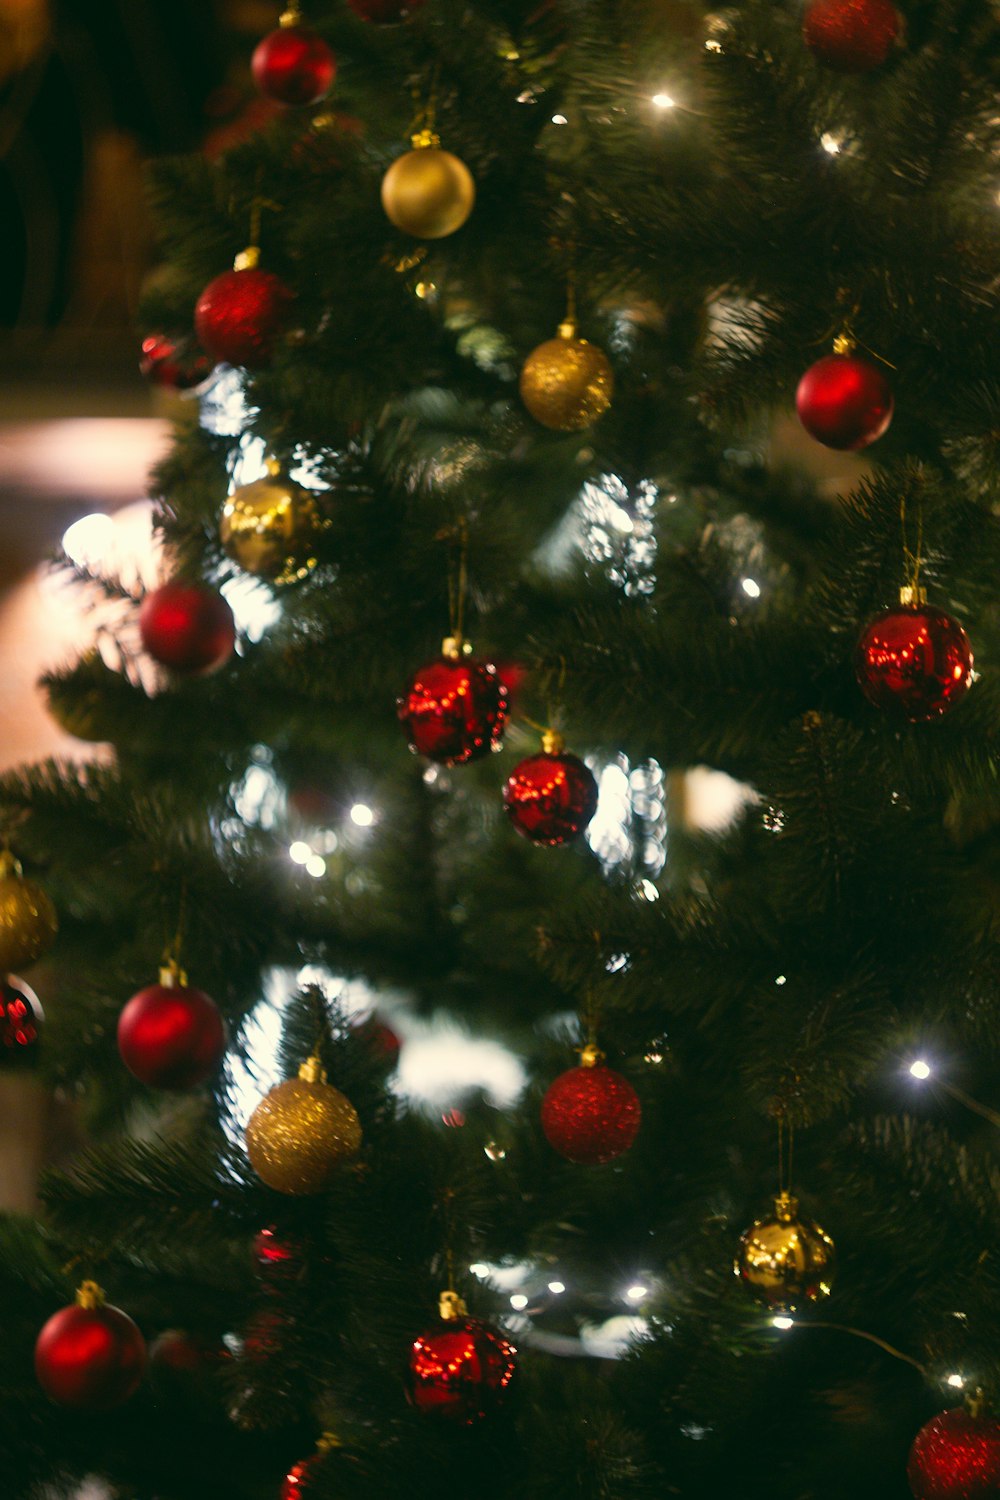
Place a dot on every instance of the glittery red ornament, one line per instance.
(274, 1251)
(21, 1017)
(294, 66)
(297, 1480)
(385, 12)
(188, 627)
(956, 1456)
(844, 402)
(240, 316)
(591, 1114)
(454, 709)
(914, 659)
(852, 36)
(90, 1355)
(171, 1036)
(551, 797)
(174, 364)
(461, 1368)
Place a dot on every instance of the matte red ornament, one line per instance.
(956, 1456)
(21, 1016)
(188, 627)
(385, 12)
(852, 36)
(551, 797)
(454, 709)
(173, 364)
(461, 1368)
(591, 1114)
(240, 316)
(90, 1356)
(294, 66)
(916, 660)
(844, 402)
(171, 1036)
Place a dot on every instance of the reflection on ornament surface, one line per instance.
(785, 1261)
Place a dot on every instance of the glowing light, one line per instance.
(649, 890)
(480, 1268)
(440, 1065)
(957, 1381)
(783, 1323)
(299, 852)
(519, 1301)
(781, 979)
(362, 815)
(557, 1287)
(559, 120)
(920, 1069)
(751, 588)
(88, 541)
(254, 605)
(664, 101)
(637, 1292)
(316, 866)
(831, 143)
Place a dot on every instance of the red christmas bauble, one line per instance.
(915, 659)
(177, 1352)
(171, 1036)
(90, 1356)
(852, 36)
(461, 1369)
(294, 66)
(173, 364)
(454, 710)
(21, 1017)
(956, 1456)
(551, 797)
(379, 1038)
(384, 12)
(298, 1480)
(240, 316)
(591, 1114)
(188, 627)
(844, 402)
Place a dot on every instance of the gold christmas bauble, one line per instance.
(28, 921)
(567, 383)
(428, 192)
(785, 1260)
(301, 1131)
(269, 527)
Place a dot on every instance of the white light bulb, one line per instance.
(649, 890)
(919, 1069)
(556, 1287)
(299, 852)
(783, 1323)
(751, 588)
(831, 143)
(316, 866)
(957, 1381)
(664, 101)
(637, 1293)
(88, 541)
(519, 1301)
(781, 979)
(480, 1268)
(362, 815)
(559, 120)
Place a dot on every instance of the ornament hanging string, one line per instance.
(912, 559)
(458, 577)
(422, 131)
(172, 946)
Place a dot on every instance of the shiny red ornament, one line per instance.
(851, 36)
(240, 316)
(591, 1114)
(188, 627)
(273, 1252)
(173, 364)
(385, 12)
(550, 798)
(171, 1036)
(914, 659)
(844, 402)
(454, 710)
(21, 1017)
(956, 1456)
(461, 1369)
(294, 66)
(90, 1356)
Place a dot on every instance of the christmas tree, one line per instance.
(496, 327)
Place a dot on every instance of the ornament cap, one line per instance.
(312, 1070)
(451, 1307)
(89, 1296)
(591, 1056)
(422, 140)
(273, 467)
(786, 1208)
(291, 15)
(172, 976)
(10, 866)
(976, 1403)
(454, 647)
(567, 329)
(327, 1442)
(844, 343)
(553, 742)
(912, 595)
(248, 259)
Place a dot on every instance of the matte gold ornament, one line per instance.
(28, 921)
(270, 527)
(428, 193)
(301, 1131)
(785, 1260)
(567, 383)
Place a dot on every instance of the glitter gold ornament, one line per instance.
(269, 527)
(785, 1260)
(567, 383)
(28, 921)
(301, 1132)
(427, 192)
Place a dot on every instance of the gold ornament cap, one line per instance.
(425, 140)
(291, 15)
(844, 343)
(451, 1307)
(90, 1296)
(172, 976)
(591, 1056)
(312, 1070)
(912, 596)
(248, 259)
(786, 1208)
(553, 742)
(454, 647)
